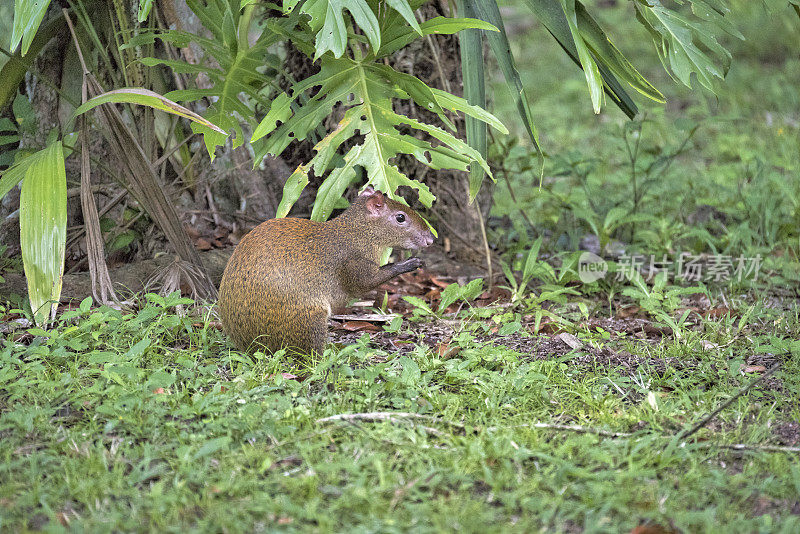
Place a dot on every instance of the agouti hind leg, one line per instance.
(309, 333)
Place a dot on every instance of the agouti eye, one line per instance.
(400, 217)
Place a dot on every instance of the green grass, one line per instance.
(147, 421)
(741, 159)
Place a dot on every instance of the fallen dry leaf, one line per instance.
(754, 369)
(628, 311)
(570, 340)
(359, 326)
(437, 282)
(445, 350)
(719, 311)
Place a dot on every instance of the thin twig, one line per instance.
(486, 248)
(394, 417)
(746, 447)
(568, 428)
(389, 417)
(705, 420)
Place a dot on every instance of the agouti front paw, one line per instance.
(411, 264)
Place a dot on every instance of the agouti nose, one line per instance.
(427, 239)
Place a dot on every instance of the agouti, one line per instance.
(286, 275)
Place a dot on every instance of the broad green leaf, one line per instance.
(416, 89)
(678, 42)
(145, 97)
(449, 295)
(211, 446)
(368, 90)
(236, 73)
(136, 351)
(329, 25)
(43, 223)
(327, 21)
(714, 12)
(28, 15)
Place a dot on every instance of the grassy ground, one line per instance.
(148, 421)
(560, 409)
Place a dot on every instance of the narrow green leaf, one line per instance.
(488, 11)
(292, 189)
(609, 55)
(280, 110)
(144, 9)
(145, 97)
(472, 74)
(43, 224)
(14, 174)
(398, 36)
(588, 64)
(402, 7)
(552, 17)
(456, 103)
(531, 260)
(28, 15)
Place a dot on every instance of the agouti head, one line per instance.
(397, 225)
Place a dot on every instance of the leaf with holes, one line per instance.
(330, 27)
(685, 46)
(236, 75)
(367, 90)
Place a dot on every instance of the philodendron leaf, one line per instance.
(367, 90)
(677, 39)
(43, 229)
(329, 25)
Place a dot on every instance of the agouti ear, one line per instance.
(367, 192)
(376, 203)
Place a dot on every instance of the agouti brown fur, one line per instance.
(287, 275)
